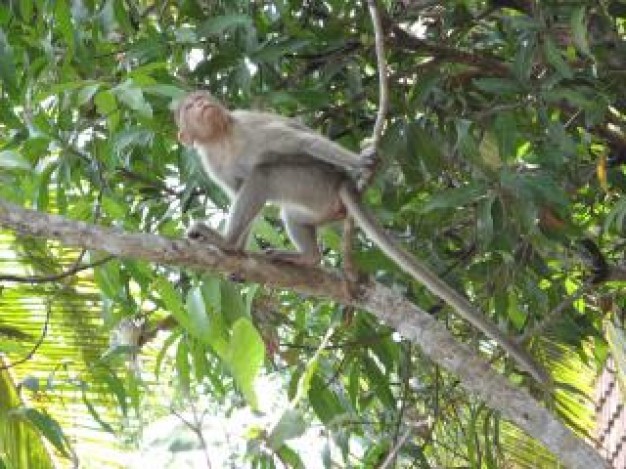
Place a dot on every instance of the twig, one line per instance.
(34, 348)
(383, 98)
(196, 428)
(395, 450)
(55, 277)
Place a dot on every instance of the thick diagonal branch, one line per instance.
(413, 323)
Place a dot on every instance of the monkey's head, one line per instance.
(201, 119)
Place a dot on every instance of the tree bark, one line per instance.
(413, 323)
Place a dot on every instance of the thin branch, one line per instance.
(54, 277)
(410, 321)
(395, 450)
(35, 347)
(383, 99)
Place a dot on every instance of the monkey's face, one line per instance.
(201, 119)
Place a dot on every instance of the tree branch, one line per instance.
(409, 320)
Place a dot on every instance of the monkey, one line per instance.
(259, 158)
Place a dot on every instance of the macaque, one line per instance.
(258, 158)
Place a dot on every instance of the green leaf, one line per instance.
(423, 150)
(63, 21)
(506, 128)
(47, 426)
(198, 316)
(13, 160)
(378, 381)
(212, 291)
(325, 402)
(553, 54)
(127, 139)
(93, 411)
(500, 86)
(106, 104)
(26, 10)
(7, 64)
(290, 458)
(114, 208)
(271, 52)
(616, 216)
(183, 367)
(169, 341)
(121, 16)
(173, 302)
(484, 220)
(516, 313)
(107, 276)
(218, 25)
(455, 198)
(291, 425)
(232, 304)
(131, 95)
(201, 366)
(304, 382)
(168, 91)
(245, 355)
(579, 30)
(86, 93)
(116, 386)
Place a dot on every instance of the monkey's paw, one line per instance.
(201, 232)
(369, 157)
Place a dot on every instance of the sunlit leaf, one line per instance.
(246, 352)
(198, 317)
(131, 95)
(183, 366)
(579, 30)
(290, 425)
(454, 198)
(13, 160)
(217, 25)
(48, 427)
(553, 54)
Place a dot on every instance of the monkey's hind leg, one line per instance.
(304, 237)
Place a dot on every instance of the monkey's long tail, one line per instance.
(407, 262)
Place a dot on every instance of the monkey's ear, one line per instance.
(185, 138)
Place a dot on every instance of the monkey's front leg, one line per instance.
(199, 231)
(246, 204)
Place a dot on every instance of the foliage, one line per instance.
(503, 168)
(21, 445)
